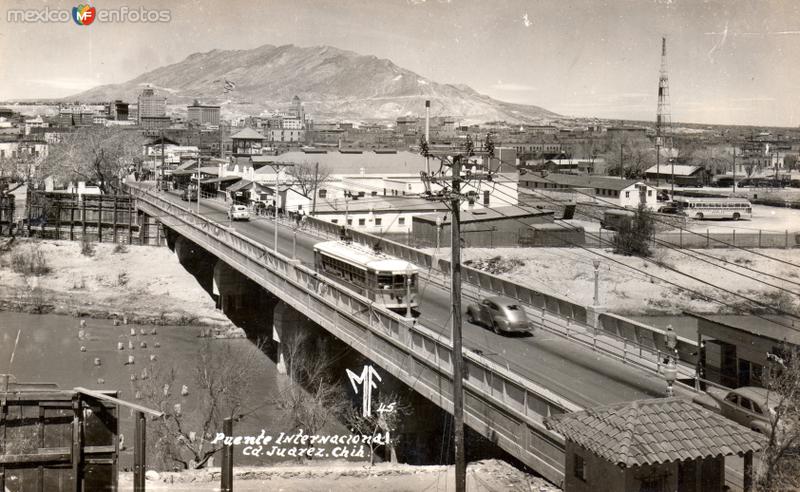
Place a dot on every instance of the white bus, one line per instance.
(715, 208)
(379, 277)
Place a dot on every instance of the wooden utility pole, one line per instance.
(314, 193)
(455, 298)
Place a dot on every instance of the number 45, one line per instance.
(383, 408)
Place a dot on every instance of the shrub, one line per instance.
(30, 262)
(87, 247)
(633, 237)
(122, 279)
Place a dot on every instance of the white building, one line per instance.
(600, 189)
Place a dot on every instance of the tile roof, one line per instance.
(647, 432)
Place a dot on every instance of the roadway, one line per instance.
(580, 375)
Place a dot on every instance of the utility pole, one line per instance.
(314, 193)
(621, 166)
(455, 294)
(451, 194)
(161, 180)
(198, 184)
(734, 169)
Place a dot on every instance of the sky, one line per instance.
(729, 61)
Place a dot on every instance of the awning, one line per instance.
(221, 180)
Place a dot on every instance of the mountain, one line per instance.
(332, 83)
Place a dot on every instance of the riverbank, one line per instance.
(144, 284)
(314, 476)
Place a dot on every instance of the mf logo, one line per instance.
(83, 15)
(367, 383)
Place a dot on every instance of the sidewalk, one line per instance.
(482, 476)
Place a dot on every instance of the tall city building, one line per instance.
(151, 105)
(202, 114)
(297, 107)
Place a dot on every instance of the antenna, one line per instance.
(663, 119)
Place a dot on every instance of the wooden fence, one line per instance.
(101, 218)
(52, 439)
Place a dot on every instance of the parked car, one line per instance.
(238, 212)
(746, 405)
(670, 208)
(189, 195)
(501, 314)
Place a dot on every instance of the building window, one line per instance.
(360, 194)
(374, 193)
(627, 194)
(579, 467)
(486, 198)
(323, 193)
(361, 222)
(649, 192)
(349, 222)
(378, 221)
(401, 221)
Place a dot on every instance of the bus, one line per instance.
(715, 208)
(379, 277)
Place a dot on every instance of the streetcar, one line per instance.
(382, 278)
(715, 208)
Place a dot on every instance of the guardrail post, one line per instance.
(759, 238)
(734, 238)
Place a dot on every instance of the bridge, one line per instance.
(578, 358)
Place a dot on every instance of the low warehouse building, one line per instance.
(492, 228)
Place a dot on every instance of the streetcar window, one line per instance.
(384, 280)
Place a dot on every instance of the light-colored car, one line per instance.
(746, 405)
(499, 313)
(238, 212)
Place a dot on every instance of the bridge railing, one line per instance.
(629, 339)
(500, 402)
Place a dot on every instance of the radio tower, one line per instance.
(663, 123)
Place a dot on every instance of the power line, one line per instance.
(705, 296)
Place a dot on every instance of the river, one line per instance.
(49, 350)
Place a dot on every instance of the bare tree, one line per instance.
(780, 461)
(97, 154)
(308, 177)
(222, 380)
(387, 416)
(312, 400)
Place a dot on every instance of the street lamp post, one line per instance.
(277, 167)
(438, 233)
(671, 369)
(409, 272)
(596, 264)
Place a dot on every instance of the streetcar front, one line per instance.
(395, 284)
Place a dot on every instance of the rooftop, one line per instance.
(757, 325)
(248, 134)
(678, 169)
(649, 432)
(582, 181)
(348, 163)
(483, 214)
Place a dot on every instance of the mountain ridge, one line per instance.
(332, 83)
